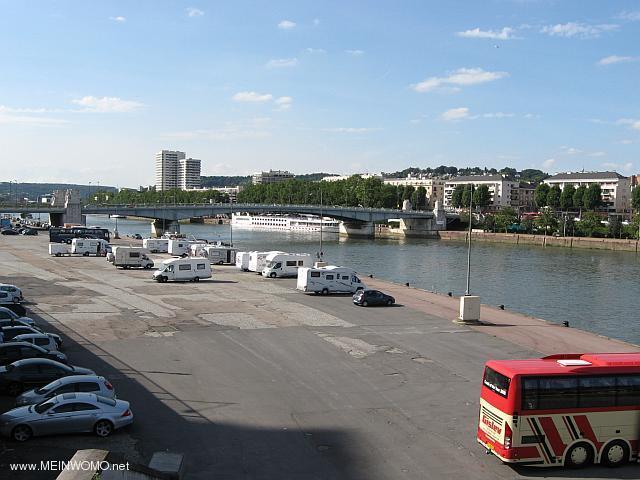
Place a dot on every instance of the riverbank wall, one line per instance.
(544, 241)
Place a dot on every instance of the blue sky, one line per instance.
(89, 91)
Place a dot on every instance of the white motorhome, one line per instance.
(329, 279)
(197, 249)
(219, 255)
(58, 249)
(181, 246)
(258, 260)
(128, 257)
(90, 246)
(156, 245)
(285, 264)
(242, 261)
(190, 269)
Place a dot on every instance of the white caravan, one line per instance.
(128, 257)
(156, 245)
(90, 246)
(197, 249)
(190, 269)
(258, 260)
(180, 246)
(329, 279)
(58, 249)
(219, 255)
(285, 264)
(242, 261)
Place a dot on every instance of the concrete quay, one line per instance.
(251, 379)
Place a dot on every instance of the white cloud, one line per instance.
(283, 103)
(571, 150)
(612, 59)
(577, 29)
(315, 50)
(286, 25)
(629, 16)
(549, 162)
(625, 141)
(454, 114)
(107, 104)
(355, 53)
(460, 77)
(282, 62)
(252, 97)
(632, 122)
(10, 119)
(350, 129)
(505, 34)
(597, 154)
(118, 19)
(229, 133)
(316, 21)
(625, 167)
(498, 115)
(194, 12)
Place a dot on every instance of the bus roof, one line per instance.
(566, 363)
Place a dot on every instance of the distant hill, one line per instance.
(34, 190)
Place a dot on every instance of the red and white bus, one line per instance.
(567, 409)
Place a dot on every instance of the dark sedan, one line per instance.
(370, 298)
(35, 372)
(13, 351)
(9, 231)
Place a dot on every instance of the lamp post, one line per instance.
(468, 290)
(230, 222)
(321, 218)
(469, 304)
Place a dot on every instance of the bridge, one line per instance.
(355, 221)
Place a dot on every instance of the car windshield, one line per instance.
(49, 387)
(44, 406)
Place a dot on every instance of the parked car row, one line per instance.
(52, 397)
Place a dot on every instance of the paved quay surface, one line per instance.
(251, 379)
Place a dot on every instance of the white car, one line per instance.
(40, 339)
(13, 292)
(71, 384)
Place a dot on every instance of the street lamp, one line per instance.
(468, 290)
(469, 304)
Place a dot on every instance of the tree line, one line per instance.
(128, 196)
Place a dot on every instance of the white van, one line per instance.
(156, 245)
(58, 249)
(190, 269)
(329, 279)
(127, 257)
(197, 249)
(242, 261)
(285, 264)
(258, 260)
(90, 246)
(180, 246)
(219, 255)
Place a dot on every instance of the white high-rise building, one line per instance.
(188, 173)
(167, 169)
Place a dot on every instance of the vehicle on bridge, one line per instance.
(564, 409)
(329, 279)
(191, 269)
(66, 235)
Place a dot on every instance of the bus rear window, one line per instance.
(496, 382)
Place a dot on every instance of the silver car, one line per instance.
(40, 339)
(71, 384)
(66, 413)
(14, 292)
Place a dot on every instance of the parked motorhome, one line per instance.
(329, 279)
(90, 246)
(258, 260)
(182, 246)
(219, 255)
(285, 264)
(58, 249)
(190, 269)
(156, 245)
(131, 257)
(242, 261)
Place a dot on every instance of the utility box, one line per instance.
(469, 309)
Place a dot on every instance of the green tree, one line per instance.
(420, 198)
(578, 197)
(489, 224)
(592, 197)
(540, 195)
(527, 225)
(590, 225)
(408, 192)
(466, 196)
(547, 222)
(615, 227)
(456, 196)
(481, 196)
(635, 199)
(505, 217)
(553, 197)
(566, 198)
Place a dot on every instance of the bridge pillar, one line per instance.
(357, 229)
(161, 226)
(73, 209)
(56, 219)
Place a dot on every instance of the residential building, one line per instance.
(167, 169)
(433, 185)
(525, 197)
(188, 173)
(231, 191)
(501, 190)
(272, 176)
(616, 189)
(337, 178)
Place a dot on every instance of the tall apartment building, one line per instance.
(616, 189)
(188, 173)
(272, 176)
(174, 170)
(502, 190)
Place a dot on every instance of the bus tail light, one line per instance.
(508, 434)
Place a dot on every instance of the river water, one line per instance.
(594, 290)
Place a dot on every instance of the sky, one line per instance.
(89, 91)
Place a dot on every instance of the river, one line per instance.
(594, 290)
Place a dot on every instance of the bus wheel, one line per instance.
(579, 455)
(615, 454)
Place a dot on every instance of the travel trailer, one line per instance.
(242, 261)
(219, 255)
(90, 246)
(156, 245)
(131, 257)
(190, 269)
(258, 260)
(285, 264)
(181, 246)
(58, 249)
(329, 279)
